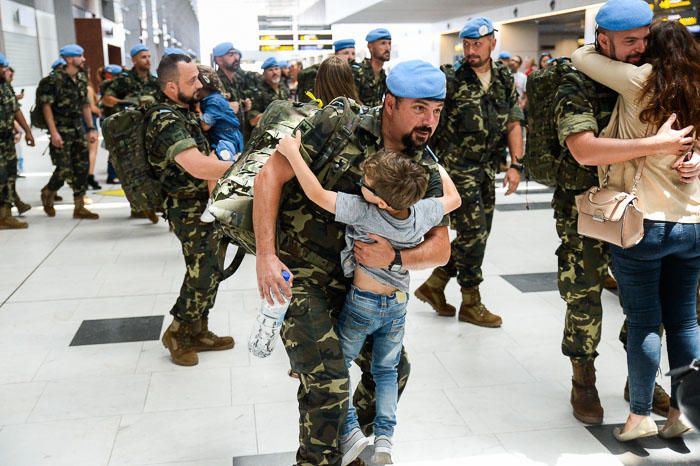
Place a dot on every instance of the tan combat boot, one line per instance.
(22, 207)
(178, 340)
(205, 340)
(661, 402)
(433, 293)
(79, 211)
(8, 222)
(474, 312)
(584, 395)
(47, 199)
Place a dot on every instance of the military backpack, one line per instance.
(543, 154)
(124, 133)
(36, 113)
(232, 198)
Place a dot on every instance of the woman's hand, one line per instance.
(673, 141)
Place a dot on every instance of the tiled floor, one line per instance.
(476, 396)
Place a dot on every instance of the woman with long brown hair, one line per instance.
(658, 277)
(334, 79)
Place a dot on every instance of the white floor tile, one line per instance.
(18, 401)
(267, 385)
(483, 368)
(94, 360)
(277, 426)
(189, 388)
(428, 414)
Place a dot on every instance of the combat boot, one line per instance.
(433, 293)
(79, 211)
(474, 312)
(205, 340)
(47, 199)
(178, 340)
(661, 402)
(8, 222)
(22, 207)
(584, 395)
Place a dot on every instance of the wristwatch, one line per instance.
(396, 265)
(518, 166)
(92, 128)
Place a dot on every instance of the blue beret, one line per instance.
(3, 60)
(174, 51)
(623, 15)
(476, 28)
(71, 50)
(416, 79)
(138, 48)
(57, 63)
(113, 69)
(376, 34)
(505, 55)
(270, 62)
(283, 64)
(222, 49)
(342, 44)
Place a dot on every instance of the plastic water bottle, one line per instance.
(267, 325)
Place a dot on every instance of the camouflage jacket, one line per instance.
(306, 79)
(310, 240)
(243, 85)
(370, 88)
(129, 85)
(106, 111)
(266, 94)
(581, 105)
(474, 122)
(169, 132)
(67, 97)
(8, 106)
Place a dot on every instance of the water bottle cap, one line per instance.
(286, 275)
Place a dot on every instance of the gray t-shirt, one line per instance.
(362, 218)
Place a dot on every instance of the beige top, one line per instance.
(485, 79)
(662, 196)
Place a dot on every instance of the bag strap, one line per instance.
(637, 176)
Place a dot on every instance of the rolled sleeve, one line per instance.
(178, 147)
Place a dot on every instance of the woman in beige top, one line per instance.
(658, 278)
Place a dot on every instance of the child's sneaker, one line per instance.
(351, 445)
(382, 450)
(206, 216)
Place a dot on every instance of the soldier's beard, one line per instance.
(475, 61)
(232, 67)
(189, 100)
(412, 143)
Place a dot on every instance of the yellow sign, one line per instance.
(276, 48)
(114, 192)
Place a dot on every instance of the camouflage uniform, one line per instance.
(67, 97)
(370, 87)
(310, 242)
(244, 85)
(169, 132)
(130, 86)
(580, 105)
(8, 156)
(470, 139)
(266, 94)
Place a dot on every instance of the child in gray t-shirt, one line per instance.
(391, 206)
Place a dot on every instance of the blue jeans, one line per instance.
(384, 318)
(658, 281)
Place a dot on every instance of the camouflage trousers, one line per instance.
(310, 338)
(583, 266)
(472, 222)
(8, 173)
(71, 162)
(204, 250)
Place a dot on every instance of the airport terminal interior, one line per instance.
(86, 381)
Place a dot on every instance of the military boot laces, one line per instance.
(47, 199)
(178, 340)
(79, 211)
(8, 222)
(474, 312)
(205, 340)
(432, 292)
(584, 395)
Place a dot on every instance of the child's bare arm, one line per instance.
(289, 148)
(450, 196)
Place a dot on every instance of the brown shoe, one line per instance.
(433, 293)
(584, 395)
(661, 402)
(474, 312)
(152, 216)
(610, 283)
(79, 211)
(178, 340)
(206, 340)
(8, 222)
(47, 199)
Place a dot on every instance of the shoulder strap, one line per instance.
(343, 134)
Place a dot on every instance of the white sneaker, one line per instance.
(382, 450)
(351, 445)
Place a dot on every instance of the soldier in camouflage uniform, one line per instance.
(370, 78)
(481, 113)
(309, 246)
(179, 154)
(271, 89)
(63, 97)
(307, 77)
(9, 113)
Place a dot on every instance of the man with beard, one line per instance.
(309, 241)
(272, 89)
(64, 101)
(307, 77)
(136, 86)
(481, 113)
(370, 78)
(241, 86)
(179, 154)
(9, 114)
